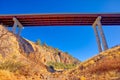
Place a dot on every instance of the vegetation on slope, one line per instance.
(104, 66)
(58, 65)
(24, 60)
(10, 65)
(59, 57)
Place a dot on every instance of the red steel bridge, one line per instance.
(60, 19)
(96, 20)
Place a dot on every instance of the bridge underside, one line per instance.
(60, 19)
(96, 20)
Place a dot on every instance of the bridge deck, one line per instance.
(60, 19)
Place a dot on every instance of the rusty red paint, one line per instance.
(60, 19)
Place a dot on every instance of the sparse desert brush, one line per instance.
(14, 57)
(38, 42)
(58, 65)
(82, 78)
(7, 75)
(105, 65)
(10, 65)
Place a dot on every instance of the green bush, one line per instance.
(38, 42)
(58, 65)
(66, 53)
(10, 65)
(44, 44)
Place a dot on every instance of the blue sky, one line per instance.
(79, 41)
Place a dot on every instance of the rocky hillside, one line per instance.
(104, 66)
(11, 44)
(47, 54)
(13, 59)
(23, 59)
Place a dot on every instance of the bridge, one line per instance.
(95, 20)
(60, 19)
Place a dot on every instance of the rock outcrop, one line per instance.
(15, 50)
(11, 44)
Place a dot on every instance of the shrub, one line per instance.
(44, 44)
(14, 57)
(66, 53)
(38, 42)
(58, 65)
(82, 78)
(105, 65)
(10, 65)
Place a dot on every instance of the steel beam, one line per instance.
(60, 19)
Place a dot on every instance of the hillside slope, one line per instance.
(13, 59)
(11, 44)
(104, 66)
(22, 59)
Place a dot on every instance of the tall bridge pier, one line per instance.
(17, 23)
(102, 36)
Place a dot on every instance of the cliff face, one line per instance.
(47, 54)
(23, 59)
(13, 45)
(13, 58)
(8, 43)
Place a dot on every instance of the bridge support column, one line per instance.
(104, 43)
(17, 23)
(102, 36)
(14, 27)
(97, 38)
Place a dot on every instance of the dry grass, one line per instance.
(6, 75)
(105, 65)
(10, 65)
